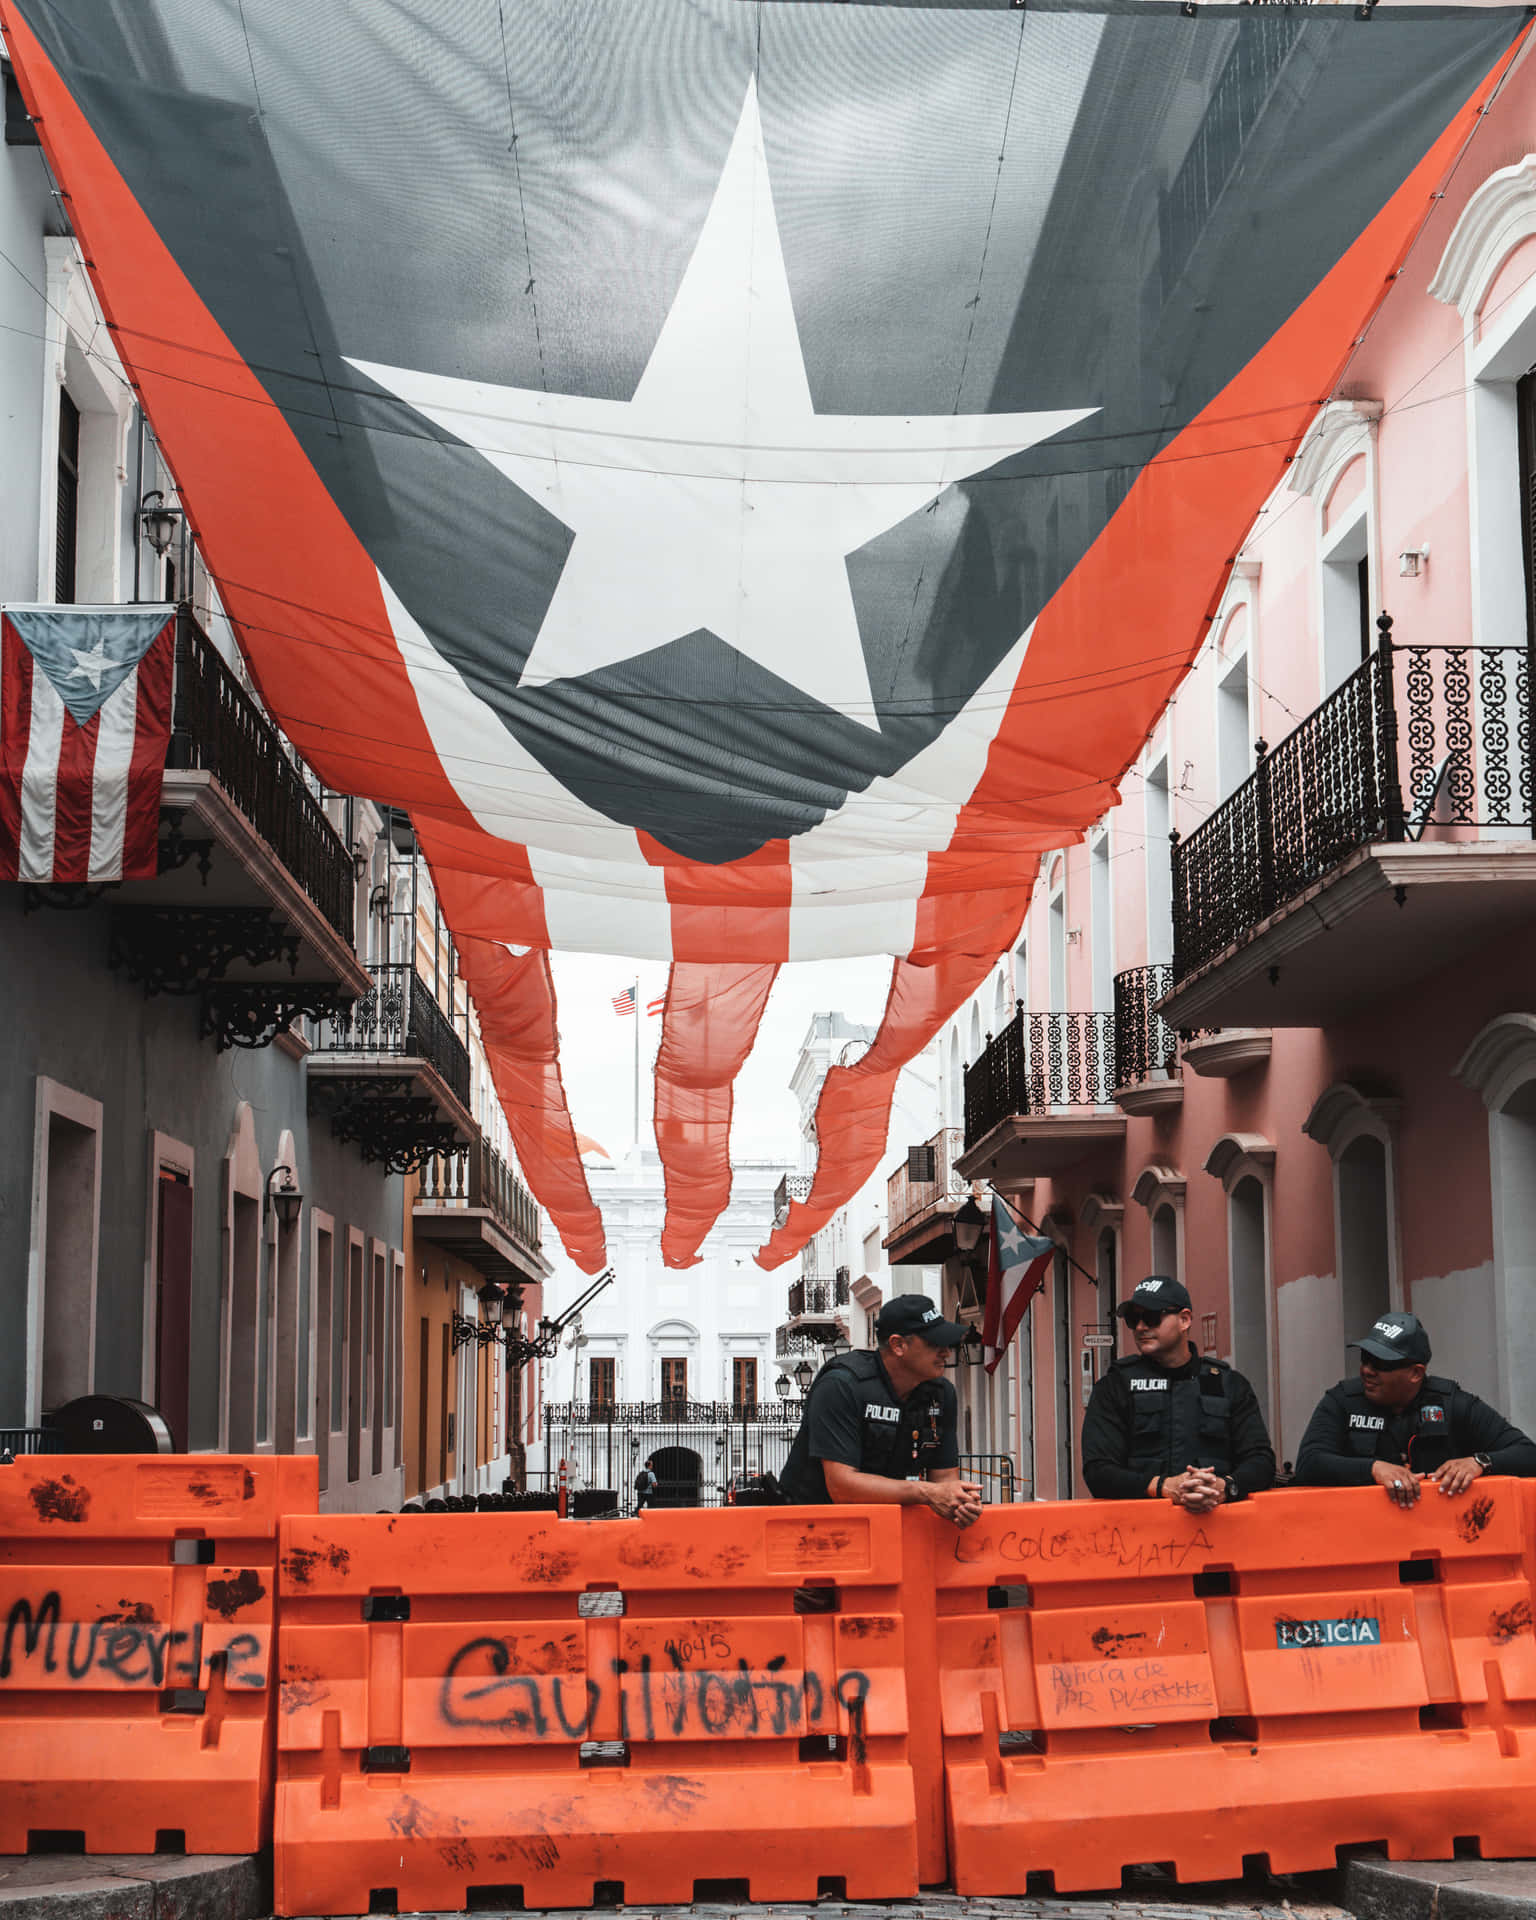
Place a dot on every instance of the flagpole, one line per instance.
(637, 1059)
(1024, 1221)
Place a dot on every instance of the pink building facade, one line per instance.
(1294, 1060)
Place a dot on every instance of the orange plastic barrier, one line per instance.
(514, 1709)
(137, 1601)
(1124, 1683)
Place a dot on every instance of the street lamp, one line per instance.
(158, 520)
(970, 1222)
(284, 1199)
(805, 1373)
(781, 1386)
(839, 1344)
(493, 1301)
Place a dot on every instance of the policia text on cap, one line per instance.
(1168, 1423)
(874, 1421)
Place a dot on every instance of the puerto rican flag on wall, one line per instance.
(85, 719)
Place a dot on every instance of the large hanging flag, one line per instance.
(85, 719)
(746, 474)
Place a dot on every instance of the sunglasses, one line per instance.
(1136, 1318)
(1383, 1366)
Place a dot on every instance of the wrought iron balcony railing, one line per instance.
(1428, 739)
(1145, 1044)
(478, 1177)
(817, 1296)
(669, 1413)
(1039, 1063)
(907, 1199)
(789, 1343)
(793, 1186)
(217, 728)
(399, 1018)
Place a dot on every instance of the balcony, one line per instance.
(392, 1074)
(1147, 1075)
(252, 908)
(922, 1198)
(816, 1302)
(472, 1204)
(1387, 834)
(792, 1186)
(1039, 1099)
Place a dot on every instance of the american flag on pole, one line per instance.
(85, 718)
(624, 1002)
(654, 1007)
(1016, 1272)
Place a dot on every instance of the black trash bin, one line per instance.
(111, 1423)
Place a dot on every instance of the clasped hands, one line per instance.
(1196, 1489)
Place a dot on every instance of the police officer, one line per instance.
(1400, 1425)
(874, 1421)
(1168, 1422)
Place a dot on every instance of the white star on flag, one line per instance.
(717, 497)
(90, 664)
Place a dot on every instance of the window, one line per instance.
(1525, 404)
(1234, 744)
(63, 1253)
(173, 1301)
(68, 500)
(1159, 808)
(674, 1381)
(601, 1384)
(743, 1384)
(1101, 914)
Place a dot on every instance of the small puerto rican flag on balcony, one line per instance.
(85, 719)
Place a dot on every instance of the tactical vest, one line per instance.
(894, 1447)
(1422, 1436)
(1178, 1423)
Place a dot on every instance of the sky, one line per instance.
(597, 1046)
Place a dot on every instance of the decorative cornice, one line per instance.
(1344, 429)
(1494, 221)
(1158, 1182)
(1501, 1059)
(1342, 1112)
(1100, 1211)
(1227, 1158)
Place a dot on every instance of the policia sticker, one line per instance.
(1297, 1634)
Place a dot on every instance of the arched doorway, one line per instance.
(1165, 1241)
(679, 1472)
(1248, 1257)
(1365, 1246)
(1494, 1349)
(1066, 1373)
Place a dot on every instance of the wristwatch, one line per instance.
(1234, 1491)
(1484, 1462)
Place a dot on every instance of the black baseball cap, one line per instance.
(1397, 1338)
(915, 1313)
(1157, 1293)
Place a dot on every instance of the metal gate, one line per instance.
(698, 1446)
